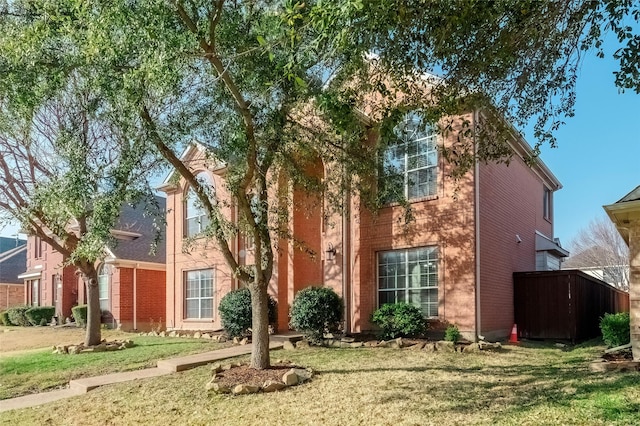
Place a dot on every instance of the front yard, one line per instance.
(27, 364)
(528, 384)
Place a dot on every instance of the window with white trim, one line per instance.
(104, 281)
(35, 292)
(546, 203)
(196, 218)
(410, 276)
(410, 164)
(198, 293)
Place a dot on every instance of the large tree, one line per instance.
(599, 247)
(268, 86)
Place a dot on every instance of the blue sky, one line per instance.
(597, 159)
(598, 154)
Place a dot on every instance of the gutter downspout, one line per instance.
(346, 256)
(476, 208)
(135, 297)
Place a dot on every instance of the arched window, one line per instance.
(410, 163)
(196, 218)
(104, 286)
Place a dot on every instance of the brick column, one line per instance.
(634, 286)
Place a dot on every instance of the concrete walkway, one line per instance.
(164, 367)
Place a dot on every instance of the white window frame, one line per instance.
(104, 286)
(202, 293)
(415, 152)
(193, 212)
(546, 203)
(407, 286)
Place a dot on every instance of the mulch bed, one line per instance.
(625, 355)
(246, 375)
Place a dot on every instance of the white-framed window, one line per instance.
(198, 291)
(546, 203)
(410, 164)
(196, 218)
(411, 276)
(35, 292)
(104, 284)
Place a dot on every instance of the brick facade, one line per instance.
(480, 213)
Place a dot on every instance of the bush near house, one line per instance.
(399, 320)
(40, 315)
(18, 316)
(235, 312)
(615, 329)
(4, 318)
(80, 315)
(315, 311)
(452, 334)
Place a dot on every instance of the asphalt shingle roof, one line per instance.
(13, 259)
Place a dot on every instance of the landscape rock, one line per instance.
(348, 339)
(473, 347)
(288, 346)
(371, 343)
(303, 374)
(290, 378)
(444, 346)
(272, 386)
(236, 340)
(216, 368)
(163, 334)
(356, 344)
(172, 333)
(205, 336)
(302, 344)
(416, 347)
(218, 387)
(245, 389)
(429, 347)
(486, 346)
(244, 341)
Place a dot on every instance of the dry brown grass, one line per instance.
(521, 385)
(27, 338)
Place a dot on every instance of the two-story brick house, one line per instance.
(454, 260)
(13, 256)
(131, 280)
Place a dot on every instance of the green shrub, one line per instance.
(235, 312)
(615, 329)
(4, 318)
(80, 315)
(40, 315)
(315, 311)
(399, 320)
(452, 334)
(17, 315)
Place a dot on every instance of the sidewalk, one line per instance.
(164, 367)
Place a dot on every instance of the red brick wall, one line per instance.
(510, 205)
(445, 221)
(11, 295)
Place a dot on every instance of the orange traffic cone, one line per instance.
(514, 334)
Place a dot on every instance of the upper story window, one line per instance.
(38, 247)
(196, 217)
(546, 203)
(410, 163)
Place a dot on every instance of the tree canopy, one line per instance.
(266, 87)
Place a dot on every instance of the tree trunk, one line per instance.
(90, 278)
(259, 326)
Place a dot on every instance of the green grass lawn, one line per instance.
(530, 384)
(40, 370)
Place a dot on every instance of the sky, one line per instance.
(597, 158)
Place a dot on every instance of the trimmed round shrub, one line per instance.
(452, 334)
(40, 315)
(616, 329)
(315, 311)
(18, 316)
(4, 318)
(235, 312)
(80, 315)
(399, 320)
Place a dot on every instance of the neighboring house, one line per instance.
(131, 281)
(455, 260)
(593, 261)
(13, 257)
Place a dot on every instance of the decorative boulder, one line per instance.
(272, 386)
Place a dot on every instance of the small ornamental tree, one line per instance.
(615, 329)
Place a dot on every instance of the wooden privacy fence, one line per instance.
(566, 304)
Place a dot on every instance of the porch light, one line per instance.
(331, 252)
